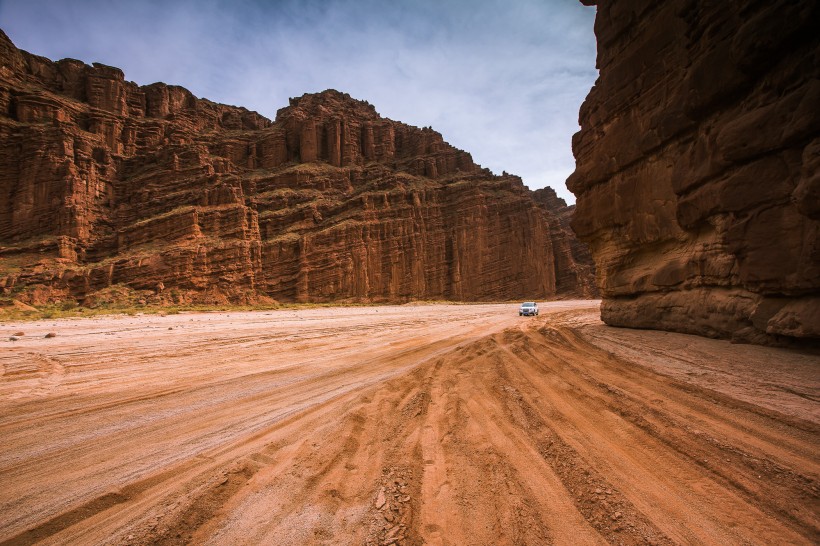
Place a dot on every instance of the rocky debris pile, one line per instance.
(697, 168)
(112, 192)
(393, 503)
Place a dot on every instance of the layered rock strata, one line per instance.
(698, 168)
(111, 191)
(575, 269)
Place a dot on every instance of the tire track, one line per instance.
(459, 430)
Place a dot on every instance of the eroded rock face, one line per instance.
(111, 191)
(575, 272)
(698, 178)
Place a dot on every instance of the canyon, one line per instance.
(411, 422)
(698, 168)
(114, 193)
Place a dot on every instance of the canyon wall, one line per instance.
(698, 168)
(575, 270)
(112, 192)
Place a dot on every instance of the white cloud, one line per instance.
(501, 80)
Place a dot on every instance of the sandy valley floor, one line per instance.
(417, 424)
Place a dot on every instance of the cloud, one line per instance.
(501, 80)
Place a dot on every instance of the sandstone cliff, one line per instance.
(698, 167)
(575, 272)
(110, 191)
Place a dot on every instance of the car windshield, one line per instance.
(530, 304)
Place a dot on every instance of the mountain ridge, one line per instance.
(113, 191)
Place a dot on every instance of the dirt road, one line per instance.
(431, 424)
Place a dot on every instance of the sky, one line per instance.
(501, 79)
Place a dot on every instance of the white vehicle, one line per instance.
(528, 309)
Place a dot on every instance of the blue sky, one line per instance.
(501, 79)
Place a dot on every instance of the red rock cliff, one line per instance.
(698, 167)
(109, 189)
(575, 272)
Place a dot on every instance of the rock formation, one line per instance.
(575, 272)
(698, 168)
(110, 191)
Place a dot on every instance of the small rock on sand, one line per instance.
(51, 334)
